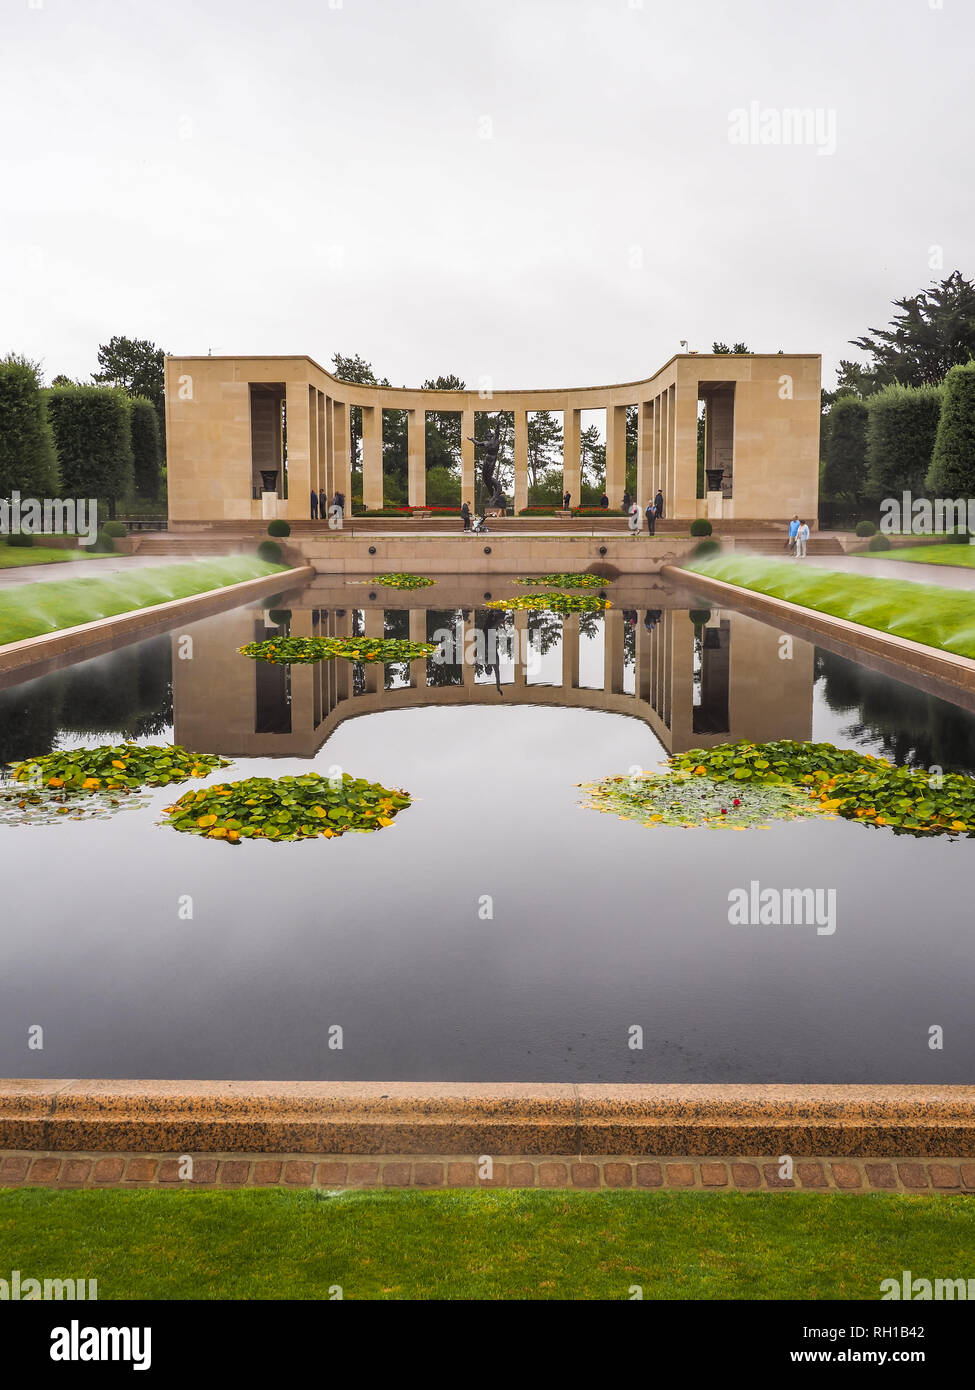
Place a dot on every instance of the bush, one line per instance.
(700, 617)
(280, 616)
(269, 551)
(94, 441)
(845, 471)
(865, 528)
(701, 527)
(278, 528)
(115, 528)
(102, 543)
(27, 461)
(902, 425)
(21, 540)
(952, 471)
(705, 548)
(146, 446)
(879, 542)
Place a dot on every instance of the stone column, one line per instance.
(418, 633)
(643, 683)
(372, 456)
(613, 651)
(644, 454)
(375, 672)
(298, 505)
(571, 472)
(521, 648)
(468, 461)
(417, 443)
(322, 445)
(521, 460)
(341, 454)
(570, 652)
(615, 453)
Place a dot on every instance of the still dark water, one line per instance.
(596, 924)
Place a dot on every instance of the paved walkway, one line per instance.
(748, 1172)
(79, 569)
(948, 576)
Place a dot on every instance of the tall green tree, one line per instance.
(137, 367)
(902, 424)
(933, 332)
(544, 444)
(952, 471)
(845, 473)
(443, 431)
(93, 437)
(592, 459)
(356, 369)
(27, 459)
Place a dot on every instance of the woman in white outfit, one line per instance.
(802, 535)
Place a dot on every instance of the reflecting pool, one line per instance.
(498, 930)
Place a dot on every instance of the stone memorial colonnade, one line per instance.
(228, 419)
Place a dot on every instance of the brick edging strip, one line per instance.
(916, 657)
(499, 1119)
(673, 1172)
(51, 650)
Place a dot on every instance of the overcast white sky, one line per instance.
(288, 177)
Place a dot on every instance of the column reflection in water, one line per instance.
(696, 679)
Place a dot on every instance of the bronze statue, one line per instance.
(492, 484)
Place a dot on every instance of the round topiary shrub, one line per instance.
(701, 527)
(102, 542)
(280, 616)
(269, 551)
(866, 528)
(20, 540)
(706, 548)
(879, 542)
(700, 617)
(278, 528)
(115, 528)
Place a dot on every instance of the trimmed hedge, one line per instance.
(952, 471)
(902, 425)
(93, 436)
(879, 542)
(845, 473)
(146, 446)
(27, 459)
(269, 551)
(278, 528)
(115, 528)
(701, 527)
(865, 528)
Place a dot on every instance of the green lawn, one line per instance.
(926, 555)
(483, 1244)
(31, 609)
(926, 613)
(13, 556)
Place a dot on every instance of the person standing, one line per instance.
(322, 503)
(339, 501)
(802, 536)
(604, 501)
(566, 500)
(314, 505)
(465, 512)
(794, 525)
(651, 518)
(658, 504)
(627, 501)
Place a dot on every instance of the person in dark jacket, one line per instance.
(627, 501)
(651, 513)
(604, 501)
(322, 503)
(658, 503)
(465, 512)
(566, 500)
(314, 505)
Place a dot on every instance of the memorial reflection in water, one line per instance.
(695, 677)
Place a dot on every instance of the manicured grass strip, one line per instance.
(483, 1244)
(14, 557)
(926, 613)
(32, 609)
(927, 555)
